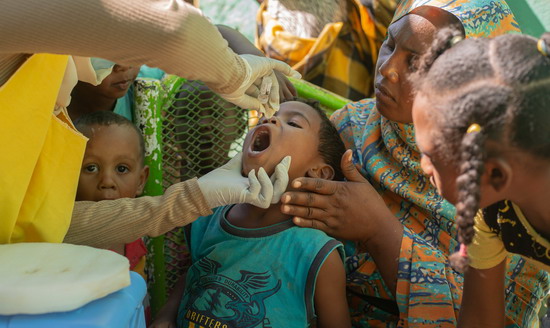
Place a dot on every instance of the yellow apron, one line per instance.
(41, 154)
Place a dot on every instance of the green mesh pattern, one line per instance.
(201, 131)
(196, 131)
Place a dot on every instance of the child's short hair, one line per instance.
(501, 85)
(331, 146)
(107, 118)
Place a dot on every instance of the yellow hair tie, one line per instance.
(473, 128)
(455, 39)
(543, 47)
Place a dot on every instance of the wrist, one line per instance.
(385, 231)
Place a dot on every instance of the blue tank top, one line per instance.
(251, 277)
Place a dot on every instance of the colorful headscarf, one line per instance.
(480, 18)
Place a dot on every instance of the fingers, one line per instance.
(290, 89)
(309, 223)
(235, 163)
(295, 199)
(245, 101)
(280, 179)
(284, 68)
(287, 91)
(348, 168)
(320, 186)
(248, 196)
(306, 212)
(266, 192)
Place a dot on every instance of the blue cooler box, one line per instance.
(121, 309)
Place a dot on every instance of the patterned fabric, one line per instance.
(480, 18)
(249, 278)
(505, 224)
(342, 58)
(428, 290)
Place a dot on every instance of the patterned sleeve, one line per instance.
(487, 249)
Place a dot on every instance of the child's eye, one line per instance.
(92, 168)
(122, 169)
(294, 124)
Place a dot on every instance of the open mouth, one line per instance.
(261, 141)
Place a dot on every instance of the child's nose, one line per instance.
(271, 120)
(106, 181)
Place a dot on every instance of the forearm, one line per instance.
(385, 246)
(238, 42)
(102, 224)
(483, 298)
(124, 31)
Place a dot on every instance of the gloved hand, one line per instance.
(226, 185)
(260, 74)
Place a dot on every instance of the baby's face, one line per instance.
(294, 131)
(112, 167)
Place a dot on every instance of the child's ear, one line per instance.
(497, 174)
(144, 174)
(322, 171)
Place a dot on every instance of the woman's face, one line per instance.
(407, 39)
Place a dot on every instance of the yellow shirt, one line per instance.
(501, 229)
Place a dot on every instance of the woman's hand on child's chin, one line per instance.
(348, 210)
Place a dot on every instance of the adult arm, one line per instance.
(169, 34)
(331, 305)
(350, 210)
(483, 298)
(105, 223)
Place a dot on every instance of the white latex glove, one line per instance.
(280, 179)
(260, 74)
(226, 185)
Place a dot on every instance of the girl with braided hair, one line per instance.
(482, 128)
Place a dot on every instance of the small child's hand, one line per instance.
(287, 91)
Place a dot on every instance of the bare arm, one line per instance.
(331, 305)
(167, 316)
(350, 210)
(483, 298)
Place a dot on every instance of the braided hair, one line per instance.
(485, 90)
